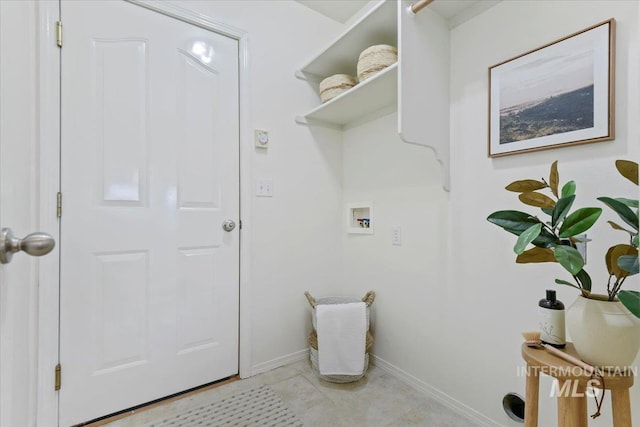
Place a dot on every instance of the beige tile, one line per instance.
(378, 399)
(299, 394)
(431, 415)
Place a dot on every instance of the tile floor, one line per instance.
(378, 399)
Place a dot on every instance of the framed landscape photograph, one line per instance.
(556, 95)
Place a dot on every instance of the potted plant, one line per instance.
(554, 238)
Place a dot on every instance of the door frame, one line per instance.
(49, 75)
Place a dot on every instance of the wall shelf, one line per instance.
(417, 86)
(379, 26)
(364, 100)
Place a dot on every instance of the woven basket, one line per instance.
(374, 59)
(313, 355)
(334, 85)
(313, 336)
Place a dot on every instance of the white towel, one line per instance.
(341, 338)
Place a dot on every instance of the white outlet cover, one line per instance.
(264, 187)
(396, 235)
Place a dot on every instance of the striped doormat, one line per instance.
(258, 407)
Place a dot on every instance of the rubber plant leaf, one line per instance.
(629, 263)
(612, 256)
(569, 258)
(515, 222)
(564, 282)
(527, 236)
(628, 169)
(617, 227)
(632, 203)
(579, 222)
(554, 178)
(539, 200)
(568, 189)
(623, 211)
(535, 255)
(631, 300)
(561, 209)
(512, 220)
(525, 185)
(585, 281)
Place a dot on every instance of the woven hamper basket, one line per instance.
(313, 336)
(374, 59)
(334, 85)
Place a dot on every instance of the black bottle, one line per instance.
(551, 316)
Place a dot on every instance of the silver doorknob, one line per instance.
(228, 225)
(35, 244)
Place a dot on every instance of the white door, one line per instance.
(150, 172)
(18, 211)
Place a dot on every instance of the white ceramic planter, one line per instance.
(603, 332)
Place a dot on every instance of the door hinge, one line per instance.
(59, 204)
(59, 33)
(58, 377)
(240, 224)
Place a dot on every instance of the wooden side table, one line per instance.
(572, 380)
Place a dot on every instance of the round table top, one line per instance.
(539, 360)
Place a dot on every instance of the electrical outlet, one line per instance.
(264, 188)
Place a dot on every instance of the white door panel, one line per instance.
(149, 279)
(18, 153)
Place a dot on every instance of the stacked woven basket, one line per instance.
(313, 336)
(371, 61)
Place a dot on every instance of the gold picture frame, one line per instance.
(557, 95)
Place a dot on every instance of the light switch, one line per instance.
(396, 235)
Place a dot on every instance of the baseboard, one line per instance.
(436, 394)
(280, 361)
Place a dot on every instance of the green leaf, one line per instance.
(629, 263)
(631, 300)
(564, 282)
(547, 211)
(628, 169)
(632, 203)
(584, 279)
(634, 241)
(535, 255)
(561, 209)
(622, 210)
(536, 199)
(516, 222)
(579, 222)
(527, 236)
(569, 258)
(525, 185)
(568, 189)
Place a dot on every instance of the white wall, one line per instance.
(295, 236)
(451, 302)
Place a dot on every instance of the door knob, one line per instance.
(35, 244)
(228, 225)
